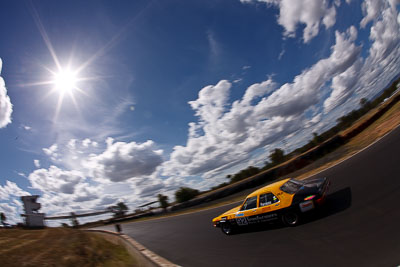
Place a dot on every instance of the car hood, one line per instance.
(229, 212)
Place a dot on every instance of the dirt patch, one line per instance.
(59, 247)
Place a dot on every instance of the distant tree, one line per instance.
(122, 207)
(185, 193)
(366, 105)
(65, 225)
(317, 139)
(119, 210)
(350, 118)
(74, 220)
(137, 211)
(243, 174)
(342, 121)
(163, 201)
(3, 218)
(363, 101)
(277, 156)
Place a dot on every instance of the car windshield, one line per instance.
(291, 186)
(250, 203)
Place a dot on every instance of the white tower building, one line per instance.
(32, 217)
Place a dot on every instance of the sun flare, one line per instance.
(65, 81)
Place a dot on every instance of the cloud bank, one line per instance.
(86, 176)
(227, 133)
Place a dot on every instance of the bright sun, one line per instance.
(65, 81)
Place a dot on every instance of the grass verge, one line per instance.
(59, 247)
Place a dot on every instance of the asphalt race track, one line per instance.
(360, 225)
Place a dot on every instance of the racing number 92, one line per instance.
(242, 221)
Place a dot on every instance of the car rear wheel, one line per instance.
(291, 218)
(227, 228)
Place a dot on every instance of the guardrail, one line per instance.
(61, 217)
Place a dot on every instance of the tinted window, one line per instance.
(291, 186)
(250, 203)
(268, 199)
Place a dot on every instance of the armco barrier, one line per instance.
(143, 256)
(365, 124)
(290, 166)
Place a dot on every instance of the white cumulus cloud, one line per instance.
(7, 209)
(211, 101)
(11, 189)
(294, 98)
(51, 152)
(6, 107)
(311, 13)
(122, 161)
(26, 127)
(228, 133)
(383, 61)
(10, 193)
(371, 9)
(56, 180)
(36, 162)
(87, 142)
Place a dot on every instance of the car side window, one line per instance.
(268, 199)
(250, 203)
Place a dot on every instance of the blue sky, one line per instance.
(174, 93)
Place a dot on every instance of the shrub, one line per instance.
(243, 174)
(185, 194)
(163, 201)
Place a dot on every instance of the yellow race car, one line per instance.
(283, 200)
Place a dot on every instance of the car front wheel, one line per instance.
(227, 228)
(291, 218)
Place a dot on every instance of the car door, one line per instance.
(248, 209)
(268, 203)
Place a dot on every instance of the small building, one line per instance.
(33, 218)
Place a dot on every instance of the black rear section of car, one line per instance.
(310, 187)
